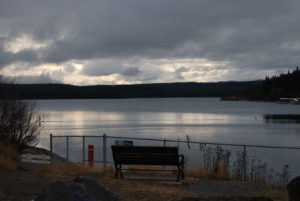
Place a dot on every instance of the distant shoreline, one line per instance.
(242, 98)
(159, 90)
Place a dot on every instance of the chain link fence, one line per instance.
(243, 162)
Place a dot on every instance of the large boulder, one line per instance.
(80, 189)
(228, 198)
(293, 189)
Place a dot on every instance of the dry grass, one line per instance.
(67, 169)
(196, 172)
(200, 172)
(188, 181)
(7, 164)
(222, 172)
(193, 171)
(277, 194)
(148, 190)
(135, 190)
(9, 157)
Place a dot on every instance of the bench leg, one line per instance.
(121, 174)
(181, 167)
(178, 174)
(182, 172)
(117, 170)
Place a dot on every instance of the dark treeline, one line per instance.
(276, 87)
(162, 90)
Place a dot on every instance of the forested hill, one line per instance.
(276, 87)
(162, 90)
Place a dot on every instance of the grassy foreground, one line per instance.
(154, 190)
(17, 184)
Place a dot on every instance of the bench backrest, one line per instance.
(141, 155)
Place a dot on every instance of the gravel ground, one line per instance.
(226, 188)
(204, 186)
(158, 188)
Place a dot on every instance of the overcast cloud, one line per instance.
(137, 41)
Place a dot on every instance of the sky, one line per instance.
(88, 42)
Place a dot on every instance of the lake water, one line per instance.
(203, 119)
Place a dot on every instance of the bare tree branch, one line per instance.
(17, 121)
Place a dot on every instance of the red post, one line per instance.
(91, 155)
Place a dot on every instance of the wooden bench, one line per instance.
(147, 155)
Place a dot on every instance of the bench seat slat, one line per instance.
(147, 162)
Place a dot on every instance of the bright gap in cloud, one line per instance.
(133, 71)
(24, 42)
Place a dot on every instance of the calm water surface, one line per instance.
(203, 119)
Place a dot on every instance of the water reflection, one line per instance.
(207, 120)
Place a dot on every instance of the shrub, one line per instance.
(17, 124)
(217, 162)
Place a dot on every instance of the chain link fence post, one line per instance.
(67, 147)
(104, 151)
(244, 164)
(51, 156)
(83, 149)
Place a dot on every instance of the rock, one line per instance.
(228, 198)
(80, 189)
(293, 189)
(33, 158)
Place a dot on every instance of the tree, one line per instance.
(17, 120)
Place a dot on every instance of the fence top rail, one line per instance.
(177, 141)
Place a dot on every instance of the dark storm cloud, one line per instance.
(26, 55)
(69, 68)
(132, 71)
(247, 34)
(102, 68)
(182, 69)
(179, 72)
